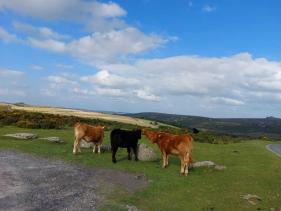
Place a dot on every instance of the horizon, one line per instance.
(215, 60)
(119, 112)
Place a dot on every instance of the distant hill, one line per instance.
(252, 127)
(108, 116)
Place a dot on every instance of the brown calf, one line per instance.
(180, 145)
(88, 133)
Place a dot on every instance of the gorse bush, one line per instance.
(52, 121)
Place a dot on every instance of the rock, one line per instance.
(205, 163)
(24, 136)
(85, 144)
(252, 199)
(53, 139)
(146, 153)
(140, 176)
(208, 164)
(131, 208)
(219, 167)
(106, 148)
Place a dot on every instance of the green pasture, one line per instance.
(251, 168)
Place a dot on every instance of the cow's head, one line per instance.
(100, 126)
(151, 135)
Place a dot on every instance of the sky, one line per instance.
(219, 58)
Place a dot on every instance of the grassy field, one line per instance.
(83, 114)
(250, 169)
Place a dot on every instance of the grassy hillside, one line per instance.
(250, 169)
(256, 127)
(77, 113)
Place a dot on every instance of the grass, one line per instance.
(250, 169)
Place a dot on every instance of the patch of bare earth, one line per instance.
(29, 182)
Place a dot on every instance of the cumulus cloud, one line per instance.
(6, 36)
(81, 11)
(106, 79)
(146, 95)
(63, 9)
(227, 80)
(49, 44)
(184, 82)
(110, 46)
(97, 48)
(38, 32)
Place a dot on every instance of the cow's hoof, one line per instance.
(114, 161)
(136, 159)
(129, 158)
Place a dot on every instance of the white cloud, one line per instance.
(38, 32)
(9, 73)
(229, 101)
(106, 79)
(208, 8)
(49, 44)
(98, 48)
(111, 92)
(183, 84)
(81, 11)
(113, 45)
(63, 9)
(146, 95)
(60, 80)
(6, 36)
(229, 80)
(36, 67)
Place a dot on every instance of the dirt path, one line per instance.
(29, 182)
(275, 148)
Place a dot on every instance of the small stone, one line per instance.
(252, 199)
(24, 136)
(53, 139)
(205, 163)
(131, 208)
(219, 167)
(140, 176)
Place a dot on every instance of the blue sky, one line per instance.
(198, 57)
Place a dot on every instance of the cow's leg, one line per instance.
(129, 153)
(94, 148)
(135, 149)
(182, 165)
(186, 162)
(114, 150)
(99, 148)
(164, 157)
(75, 145)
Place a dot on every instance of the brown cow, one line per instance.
(88, 133)
(180, 145)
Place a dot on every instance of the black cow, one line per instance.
(124, 139)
